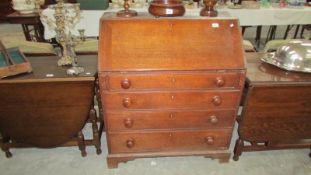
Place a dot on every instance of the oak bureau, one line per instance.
(169, 86)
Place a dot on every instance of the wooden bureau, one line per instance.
(169, 86)
(277, 109)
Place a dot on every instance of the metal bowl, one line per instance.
(293, 56)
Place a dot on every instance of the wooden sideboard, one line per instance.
(277, 109)
(169, 86)
(48, 108)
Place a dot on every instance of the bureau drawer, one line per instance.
(169, 80)
(118, 121)
(170, 100)
(169, 141)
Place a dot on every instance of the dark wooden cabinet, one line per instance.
(169, 86)
(48, 108)
(277, 109)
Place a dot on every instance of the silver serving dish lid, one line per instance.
(293, 56)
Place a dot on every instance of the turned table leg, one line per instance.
(97, 95)
(81, 144)
(239, 144)
(5, 146)
(96, 138)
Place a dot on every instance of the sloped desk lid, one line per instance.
(180, 43)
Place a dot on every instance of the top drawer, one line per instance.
(169, 80)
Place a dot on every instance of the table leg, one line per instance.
(239, 144)
(81, 144)
(26, 32)
(271, 33)
(5, 145)
(296, 31)
(258, 36)
(96, 138)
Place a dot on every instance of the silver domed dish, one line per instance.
(293, 56)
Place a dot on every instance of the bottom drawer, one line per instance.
(124, 142)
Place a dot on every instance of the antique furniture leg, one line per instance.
(100, 108)
(113, 162)
(81, 144)
(239, 144)
(5, 146)
(258, 36)
(26, 32)
(95, 131)
(223, 158)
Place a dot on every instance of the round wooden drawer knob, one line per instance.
(220, 82)
(127, 102)
(128, 123)
(213, 119)
(130, 143)
(216, 100)
(209, 140)
(126, 83)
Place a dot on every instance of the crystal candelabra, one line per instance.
(73, 41)
(66, 16)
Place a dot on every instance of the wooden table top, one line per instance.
(261, 72)
(45, 69)
(17, 18)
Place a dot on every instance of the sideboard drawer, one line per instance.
(172, 100)
(169, 141)
(171, 80)
(118, 121)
